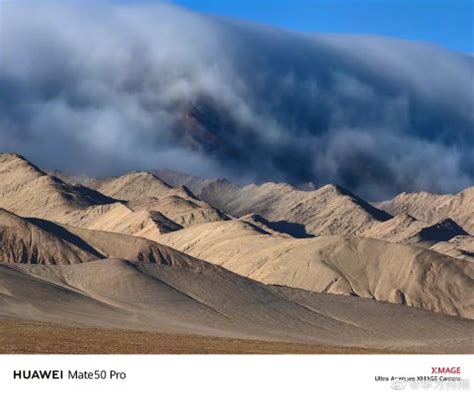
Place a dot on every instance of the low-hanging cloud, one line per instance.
(104, 89)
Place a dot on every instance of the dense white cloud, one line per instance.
(104, 89)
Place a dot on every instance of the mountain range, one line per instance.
(270, 262)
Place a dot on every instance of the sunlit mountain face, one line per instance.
(107, 89)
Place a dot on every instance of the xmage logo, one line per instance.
(446, 370)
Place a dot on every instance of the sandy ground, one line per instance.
(21, 337)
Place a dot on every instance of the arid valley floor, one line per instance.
(161, 262)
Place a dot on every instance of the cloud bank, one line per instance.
(106, 89)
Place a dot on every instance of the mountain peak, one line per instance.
(28, 190)
(333, 189)
(11, 159)
(135, 185)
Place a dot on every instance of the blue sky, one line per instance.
(445, 22)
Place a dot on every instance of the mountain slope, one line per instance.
(431, 208)
(39, 241)
(461, 247)
(119, 218)
(133, 186)
(406, 229)
(150, 207)
(145, 191)
(194, 297)
(148, 224)
(328, 210)
(25, 242)
(333, 264)
(183, 210)
(28, 191)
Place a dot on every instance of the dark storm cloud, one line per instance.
(101, 89)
